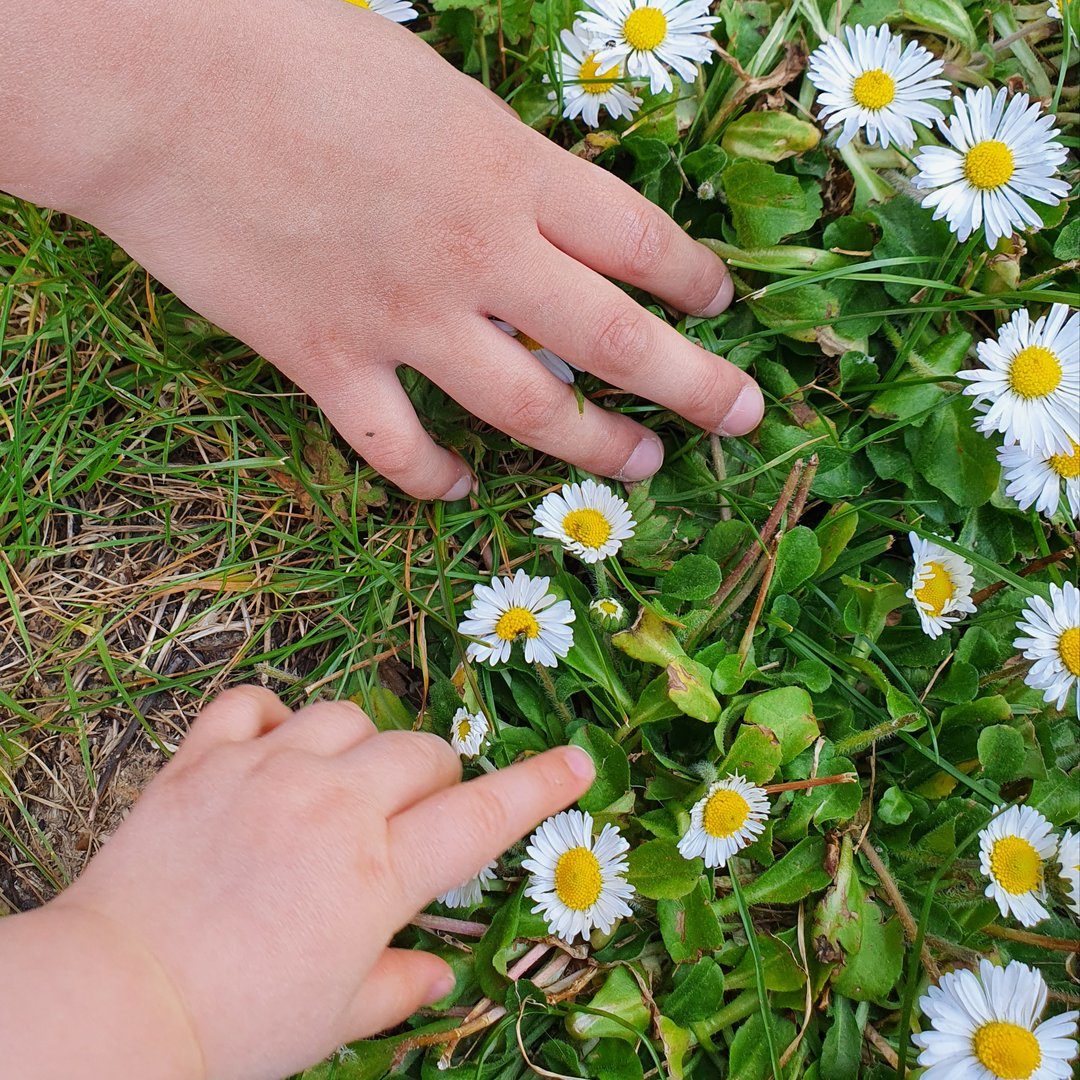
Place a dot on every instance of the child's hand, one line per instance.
(319, 182)
(261, 875)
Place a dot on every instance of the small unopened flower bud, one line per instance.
(608, 613)
(706, 770)
(706, 191)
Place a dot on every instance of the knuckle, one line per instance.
(705, 285)
(623, 339)
(489, 812)
(707, 397)
(646, 241)
(535, 408)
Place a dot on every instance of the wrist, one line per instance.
(119, 1013)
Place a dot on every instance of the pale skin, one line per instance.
(237, 925)
(321, 184)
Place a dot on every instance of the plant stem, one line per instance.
(548, 683)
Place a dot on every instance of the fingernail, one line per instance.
(745, 414)
(580, 764)
(462, 486)
(722, 299)
(646, 458)
(443, 984)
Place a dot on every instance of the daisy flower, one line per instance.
(1052, 640)
(940, 586)
(985, 1027)
(399, 11)
(469, 893)
(522, 609)
(468, 731)
(588, 519)
(649, 36)
(609, 612)
(874, 82)
(729, 817)
(1000, 154)
(1069, 860)
(1013, 849)
(585, 88)
(553, 362)
(578, 882)
(1035, 479)
(1029, 385)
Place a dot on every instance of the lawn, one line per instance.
(176, 518)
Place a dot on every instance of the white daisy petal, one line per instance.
(1051, 640)
(1001, 152)
(1036, 479)
(1069, 861)
(518, 609)
(398, 11)
(469, 893)
(985, 1027)
(1013, 851)
(1028, 387)
(468, 731)
(578, 882)
(874, 82)
(588, 519)
(647, 36)
(730, 816)
(589, 84)
(558, 367)
(941, 585)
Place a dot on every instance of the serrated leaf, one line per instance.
(788, 712)
(612, 769)
(658, 871)
(794, 877)
(766, 205)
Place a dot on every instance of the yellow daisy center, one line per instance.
(937, 590)
(577, 878)
(517, 622)
(588, 527)
(530, 343)
(725, 813)
(1016, 865)
(645, 28)
(1067, 466)
(1069, 650)
(608, 607)
(360, 3)
(1035, 372)
(588, 76)
(874, 89)
(1009, 1051)
(463, 729)
(989, 164)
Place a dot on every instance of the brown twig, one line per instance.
(892, 891)
(816, 781)
(881, 1046)
(1025, 937)
(1031, 568)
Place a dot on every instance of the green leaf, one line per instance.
(798, 556)
(769, 136)
(387, 711)
(945, 17)
(954, 457)
(755, 754)
(658, 871)
(794, 877)
(1067, 245)
(908, 230)
(749, 1055)
(1057, 797)
(615, 1059)
(943, 358)
(766, 205)
(626, 1014)
(874, 962)
(649, 639)
(895, 807)
(491, 950)
(693, 577)
(788, 712)
(698, 996)
(689, 925)
(1001, 752)
(960, 684)
(370, 1059)
(689, 687)
(842, 1049)
(834, 533)
(612, 768)
(676, 1042)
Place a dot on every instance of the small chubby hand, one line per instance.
(328, 189)
(260, 877)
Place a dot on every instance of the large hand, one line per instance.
(324, 186)
(261, 876)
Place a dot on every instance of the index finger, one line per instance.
(445, 840)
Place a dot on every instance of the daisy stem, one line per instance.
(603, 586)
(486, 764)
(548, 683)
(759, 971)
